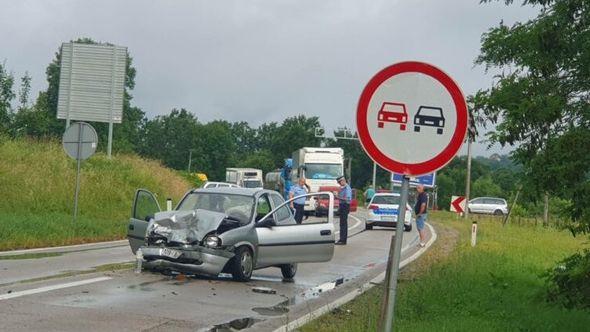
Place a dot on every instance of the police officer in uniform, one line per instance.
(344, 196)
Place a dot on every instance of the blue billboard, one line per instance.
(428, 180)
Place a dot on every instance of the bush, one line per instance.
(569, 281)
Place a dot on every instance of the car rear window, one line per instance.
(385, 200)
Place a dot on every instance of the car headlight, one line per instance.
(212, 241)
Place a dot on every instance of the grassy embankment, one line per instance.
(496, 286)
(37, 182)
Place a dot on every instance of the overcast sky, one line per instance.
(258, 61)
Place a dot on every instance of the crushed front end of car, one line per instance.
(188, 242)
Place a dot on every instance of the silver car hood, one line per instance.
(185, 226)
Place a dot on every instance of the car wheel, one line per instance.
(288, 271)
(242, 264)
(407, 228)
(498, 213)
(368, 227)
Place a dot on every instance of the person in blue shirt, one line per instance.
(421, 210)
(344, 198)
(298, 204)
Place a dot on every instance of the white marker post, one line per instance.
(474, 233)
(411, 120)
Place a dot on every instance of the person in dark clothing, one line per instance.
(421, 213)
(344, 197)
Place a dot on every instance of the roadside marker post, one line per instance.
(473, 233)
(411, 120)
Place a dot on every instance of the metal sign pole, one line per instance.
(393, 276)
(79, 161)
(374, 176)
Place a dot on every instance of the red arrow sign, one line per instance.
(458, 204)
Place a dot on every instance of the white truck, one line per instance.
(320, 166)
(244, 177)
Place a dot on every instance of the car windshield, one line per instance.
(386, 200)
(323, 171)
(238, 206)
(427, 111)
(252, 184)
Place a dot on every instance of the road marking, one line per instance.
(50, 288)
(291, 326)
(108, 244)
(353, 226)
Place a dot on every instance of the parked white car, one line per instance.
(488, 205)
(383, 211)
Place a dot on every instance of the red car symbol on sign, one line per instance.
(393, 112)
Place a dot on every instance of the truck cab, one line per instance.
(320, 166)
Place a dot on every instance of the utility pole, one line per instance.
(546, 210)
(468, 177)
(190, 158)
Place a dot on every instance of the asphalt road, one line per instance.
(124, 301)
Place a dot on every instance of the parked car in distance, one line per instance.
(488, 205)
(383, 211)
(212, 184)
(234, 230)
(322, 203)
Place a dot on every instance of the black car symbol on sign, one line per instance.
(429, 116)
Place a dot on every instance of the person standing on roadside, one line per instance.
(344, 197)
(369, 193)
(298, 204)
(421, 210)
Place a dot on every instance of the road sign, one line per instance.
(91, 82)
(80, 141)
(428, 180)
(458, 204)
(412, 118)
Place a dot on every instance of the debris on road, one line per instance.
(264, 290)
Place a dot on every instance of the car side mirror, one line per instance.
(268, 222)
(149, 217)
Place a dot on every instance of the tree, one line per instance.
(170, 138)
(540, 102)
(25, 89)
(6, 97)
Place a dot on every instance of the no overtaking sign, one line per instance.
(412, 118)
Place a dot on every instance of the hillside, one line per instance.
(37, 182)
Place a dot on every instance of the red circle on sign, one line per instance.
(442, 158)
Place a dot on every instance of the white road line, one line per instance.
(291, 326)
(72, 247)
(50, 288)
(353, 226)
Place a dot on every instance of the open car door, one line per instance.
(286, 242)
(145, 206)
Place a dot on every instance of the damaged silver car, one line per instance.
(231, 230)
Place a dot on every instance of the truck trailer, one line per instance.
(244, 177)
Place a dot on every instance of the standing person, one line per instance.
(421, 213)
(344, 197)
(369, 193)
(298, 204)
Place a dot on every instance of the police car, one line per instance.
(383, 211)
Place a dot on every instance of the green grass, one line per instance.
(496, 286)
(37, 182)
